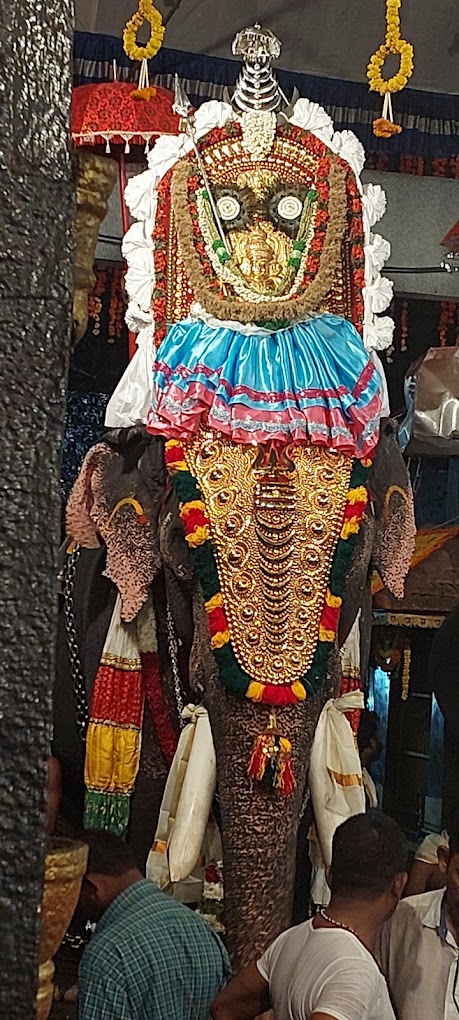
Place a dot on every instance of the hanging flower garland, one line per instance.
(146, 11)
(384, 126)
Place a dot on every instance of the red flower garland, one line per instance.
(317, 148)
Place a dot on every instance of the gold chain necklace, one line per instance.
(336, 924)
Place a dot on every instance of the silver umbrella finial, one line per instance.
(257, 87)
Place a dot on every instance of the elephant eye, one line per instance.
(289, 207)
(228, 207)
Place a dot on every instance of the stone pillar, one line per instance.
(36, 213)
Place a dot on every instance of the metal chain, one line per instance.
(173, 652)
(306, 799)
(78, 680)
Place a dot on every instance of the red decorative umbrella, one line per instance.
(111, 113)
(115, 114)
(451, 241)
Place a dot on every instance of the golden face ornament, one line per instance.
(291, 238)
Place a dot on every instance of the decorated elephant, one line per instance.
(224, 532)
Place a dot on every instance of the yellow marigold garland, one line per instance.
(145, 12)
(384, 126)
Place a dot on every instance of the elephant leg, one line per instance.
(259, 829)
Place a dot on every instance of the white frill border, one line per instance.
(133, 395)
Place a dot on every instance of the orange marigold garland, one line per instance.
(146, 11)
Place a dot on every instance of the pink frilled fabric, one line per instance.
(312, 382)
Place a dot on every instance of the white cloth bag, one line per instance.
(183, 832)
(335, 781)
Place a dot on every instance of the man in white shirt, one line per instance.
(419, 948)
(425, 874)
(325, 968)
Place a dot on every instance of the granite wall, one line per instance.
(36, 213)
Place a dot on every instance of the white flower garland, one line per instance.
(258, 132)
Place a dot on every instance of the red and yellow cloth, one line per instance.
(114, 731)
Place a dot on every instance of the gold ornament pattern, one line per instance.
(336, 249)
(261, 255)
(65, 866)
(275, 520)
(296, 306)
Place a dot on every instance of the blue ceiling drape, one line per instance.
(430, 121)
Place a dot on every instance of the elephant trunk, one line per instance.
(259, 829)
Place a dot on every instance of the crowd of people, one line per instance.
(386, 947)
(373, 954)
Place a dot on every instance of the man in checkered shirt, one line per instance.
(150, 958)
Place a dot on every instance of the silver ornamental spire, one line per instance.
(256, 87)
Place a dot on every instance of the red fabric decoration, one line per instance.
(349, 684)
(117, 695)
(165, 732)
(107, 110)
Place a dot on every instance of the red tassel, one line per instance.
(270, 761)
(259, 757)
(286, 780)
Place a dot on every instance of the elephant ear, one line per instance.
(394, 509)
(112, 503)
(80, 525)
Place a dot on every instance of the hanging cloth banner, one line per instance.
(181, 832)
